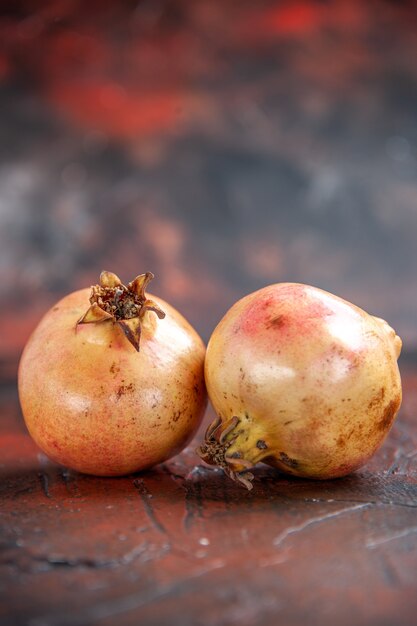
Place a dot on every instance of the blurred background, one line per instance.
(222, 145)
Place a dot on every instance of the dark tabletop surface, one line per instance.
(180, 544)
(224, 146)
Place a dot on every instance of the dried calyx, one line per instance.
(123, 305)
(216, 450)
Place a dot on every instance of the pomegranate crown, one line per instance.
(125, 305)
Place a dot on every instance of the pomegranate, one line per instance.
(302, 380)
(106, 387)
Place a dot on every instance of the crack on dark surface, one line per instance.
(59, 562)
(193, 501)
(393, 536)
(193, 504)
(44, 481)
(319, 520)
(145, 496)
(350, 501)
(25, 558)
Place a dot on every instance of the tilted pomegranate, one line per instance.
(105, 386)
(302, 380)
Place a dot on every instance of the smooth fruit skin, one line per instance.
(96, 405)
(312, 379)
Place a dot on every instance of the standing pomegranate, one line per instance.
(301, 380)
(105, 386)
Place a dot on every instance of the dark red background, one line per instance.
(223, 145)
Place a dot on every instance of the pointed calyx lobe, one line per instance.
(110, 300)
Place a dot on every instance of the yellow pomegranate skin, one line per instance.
(95, 404)
(302, 380)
